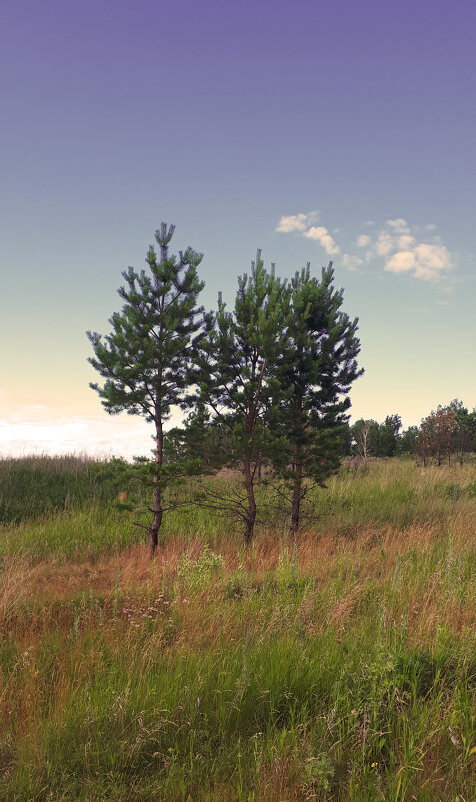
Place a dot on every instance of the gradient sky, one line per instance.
(313, 130)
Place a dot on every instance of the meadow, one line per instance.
(341, 667)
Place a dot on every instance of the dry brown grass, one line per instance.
(34, 598)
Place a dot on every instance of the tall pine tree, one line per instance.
(315, 375)
(237, 374)
(148, 358)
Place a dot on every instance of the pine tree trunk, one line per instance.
(260, 465)
(296, 502)
(157, 491)
(251, 516)
(298, 470)
(156, 523)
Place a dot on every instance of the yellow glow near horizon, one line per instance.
(44, 432)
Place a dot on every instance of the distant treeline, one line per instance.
(445, 435)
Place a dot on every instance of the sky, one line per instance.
(312, 130)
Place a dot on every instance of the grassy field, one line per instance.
(341, 669)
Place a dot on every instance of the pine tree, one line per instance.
(148, 358)
(200, 437)
(408, 441)
(314, 378)
(238, 368)
(464, 434)
(389, 435)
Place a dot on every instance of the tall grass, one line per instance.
(342, 669)
(33, 486)
(66, 505)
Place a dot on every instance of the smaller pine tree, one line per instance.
(313, 379)
(148, 359)
(237, 375)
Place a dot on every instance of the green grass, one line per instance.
(342, 670)
(187, 723)
(31, 487)
(67, 505)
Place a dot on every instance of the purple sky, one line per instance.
(225, 119)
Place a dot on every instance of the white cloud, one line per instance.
(399, 224)
(296, 222)
(405, 241)
(321, 234)
(304, 224)
(427, 261)
(351, 262)
(385, 243)
(396, 242)
(432, 260)
(401, 262)
(313, 217)
(291, 222)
